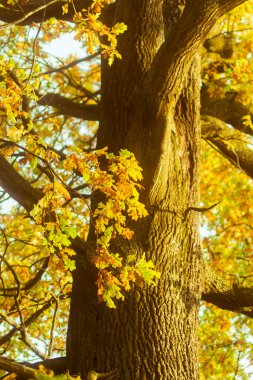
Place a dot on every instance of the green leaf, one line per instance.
(69, 264)
(125, 153)
(146, 270)
(112, 291)
(71, 231)
(130, 258)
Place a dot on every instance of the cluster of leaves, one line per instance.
(118, 182)
(88, 24)
(55, 153)
(228, 66)
(118, 185)
(33, 282)
(47, 374)
(228, 247)
(227, 229)
(35, 289)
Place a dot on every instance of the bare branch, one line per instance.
(32, 11)
(51, 343)
(14, 367)
(32, 346)
(30, 283)
(227, 109)
(228, 143)
(58, 365)
(33, 281)
(5, 338)
(17, 187)
(227, 296)
(67, 106)
(71, 64)
(26, 370)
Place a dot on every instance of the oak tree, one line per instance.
(102, 155)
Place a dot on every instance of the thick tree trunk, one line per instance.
(153, 333)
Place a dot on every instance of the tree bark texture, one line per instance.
(149, 105)
(153, 333)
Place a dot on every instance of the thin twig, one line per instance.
(51, 343)
(35, 44)
(9, 320)
(16, 22)
(71, 64)
(32, 346)
(237, 365)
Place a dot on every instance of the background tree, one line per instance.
(78, 208)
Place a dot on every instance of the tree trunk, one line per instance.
(153, 333)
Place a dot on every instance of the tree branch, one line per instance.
(17, 187)
(32, 12)
(227, 109)
(26, 370)
(228, 5)
(5, 338)
(112, 375)
(71, 64)
(34, 280)
(20, 190)
(67, 106)
(19, 369)
(222, 44)
(58, 365)
(175, 55)
(227, 296)
(228, 142)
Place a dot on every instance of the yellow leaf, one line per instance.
(65, 8)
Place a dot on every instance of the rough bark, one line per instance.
(150, 105)
(145, 337)
(152, 334)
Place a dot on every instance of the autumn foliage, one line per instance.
(57, 155)
(82, 189)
